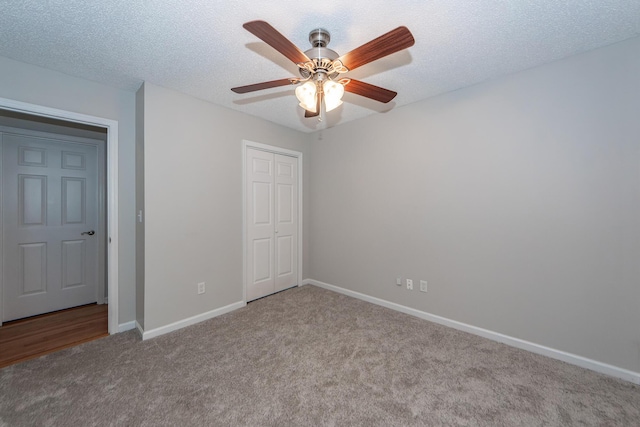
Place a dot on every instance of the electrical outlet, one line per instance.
(423, 286)
(410, 284)
(399, 281)
(201, 288)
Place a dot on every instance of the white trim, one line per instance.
(277, 150)
(573, 359)
(189, 321)
(1, 236)
(271, 148)
(140, 329)
(112, 186)
(127, 326)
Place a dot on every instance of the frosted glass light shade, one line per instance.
(332, 94)
(306, 94)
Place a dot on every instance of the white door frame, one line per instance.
(277, 150)
(112, 189)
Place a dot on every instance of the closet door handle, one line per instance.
(90, 233)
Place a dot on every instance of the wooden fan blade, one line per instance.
(273, 38)
(386, 44)
(370, 91)
(263, 85)
(308, 113)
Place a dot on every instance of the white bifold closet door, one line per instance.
(272, 222)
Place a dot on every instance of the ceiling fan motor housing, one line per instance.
(321, 56)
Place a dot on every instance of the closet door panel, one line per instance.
(260, 223)
(286, 221)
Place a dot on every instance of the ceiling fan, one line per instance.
(321, 68)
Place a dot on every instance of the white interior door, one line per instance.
(50, 206)
(272, 222)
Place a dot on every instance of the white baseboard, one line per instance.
(573, 359)
(152, 333)
(127, 326)
(140, 329)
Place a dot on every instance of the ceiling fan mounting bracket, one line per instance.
(319, 37)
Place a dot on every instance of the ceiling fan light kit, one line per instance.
(320, 68)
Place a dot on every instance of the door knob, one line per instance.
(90, 233)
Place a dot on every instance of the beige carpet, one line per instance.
(309, 357)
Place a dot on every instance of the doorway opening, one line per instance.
(44, 119)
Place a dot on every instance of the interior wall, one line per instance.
(193, 201)
(35, 85)
(518, 200)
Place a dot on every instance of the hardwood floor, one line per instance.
(32, 337)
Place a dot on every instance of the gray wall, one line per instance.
(193, 201)
(35, 85)
(517, 199)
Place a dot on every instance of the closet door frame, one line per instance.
(276, 150)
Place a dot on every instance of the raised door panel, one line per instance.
(261, 202)
(73, 161)
(73, 263)
(262, 256)
(261, 167)
(32, 200)
(285, 207)
(285, 255)
(32, 156)
(33, 269)
(74, 201)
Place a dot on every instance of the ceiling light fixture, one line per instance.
(331, 93)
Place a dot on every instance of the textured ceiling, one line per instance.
(200, 48)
